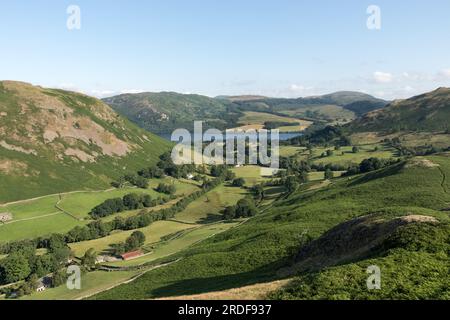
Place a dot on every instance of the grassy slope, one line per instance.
(252, 252)
(35, 175)
(428, 112)
(166, 111)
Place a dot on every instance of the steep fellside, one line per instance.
(429, 112)
(166, 111)
(54, 141)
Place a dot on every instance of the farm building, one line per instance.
(5, 216)
(131, 255)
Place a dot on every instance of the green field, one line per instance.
(343, 156)
(257, 120)
(181, 242)
(288, 151)
(153, 233)
(40, 226)
(32, 209)
(251, 174)
(208, 208)
(80, 204)
(40, 217)
(325, 112)
(346, 157)
(90, 284)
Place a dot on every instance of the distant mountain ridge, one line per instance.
(165, 111)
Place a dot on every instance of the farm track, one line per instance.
(55, 194)
(129, 280)
(33, 218)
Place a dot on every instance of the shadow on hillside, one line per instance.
(210, 218)
(218, 283)
(382, 173)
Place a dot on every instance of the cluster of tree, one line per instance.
(131, 201)
(222, 171)
(132, 178)
(293, 165)
(132, 243)
(285, 177)
(330, 135)
(238, 182)
(270, 125)
(165, 167)
(321, 167)
(23, 263)
(170, 169)
(166, 188)
(244, 208)
(371, 164)
(258, 192)
(424, 150)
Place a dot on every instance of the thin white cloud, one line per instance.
(301, 89)
(102, 93)
(445, 73)
(382, 77)
(131, 91)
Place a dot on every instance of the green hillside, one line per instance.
(429, 112)
(405, 209)
(54, 141)
(166, 111)
(339, 105)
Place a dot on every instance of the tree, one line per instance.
(239, 182)
(291, 184)
(371, 164)
(245, 208)
(329, 153)
(89, 259)
(229, 213)
(329, 174)
(258, 192)
(147, 201)
(355, 149)
(139, 236)
(166, 188)
(59, 277)
(14, 268)
(132, 201)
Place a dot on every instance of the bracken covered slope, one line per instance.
(54, 141)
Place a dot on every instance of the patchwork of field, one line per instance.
(344, 156)
(326, 112)
(182, 241)
(153, 233)
(256, 120)
(60, 213)
(207, 208)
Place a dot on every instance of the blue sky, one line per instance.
(274, 48)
